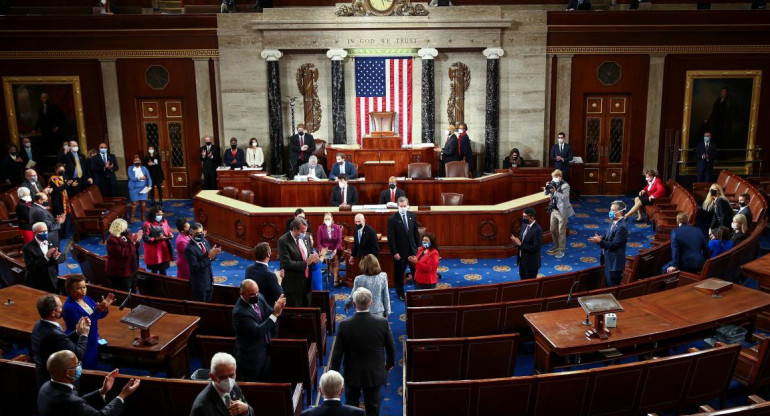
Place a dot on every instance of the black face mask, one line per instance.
(124, 233)
(253, 300)
(208, 143)
(742, 203)
(45, 203)
(713, 192)
(137, 163)
(392, 186)
(198, 237)
(525, 221)
(60, 173)
(359, 227)
(233, 146)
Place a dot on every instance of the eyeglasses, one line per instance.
(73, 368)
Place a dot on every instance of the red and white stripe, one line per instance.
(398, 98)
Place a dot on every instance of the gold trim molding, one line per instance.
(674, 49)
(101, 54)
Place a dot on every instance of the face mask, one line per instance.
(78, 372)
(60, 173)
(402, 210)
(103, 151)
(254, 144)
(359, 227)
(124, 233)
(253, 300)
(197, 237)
(649, 179)
(340, 162)
(13, 154)
(706, 139)
(158, 218)
(713, 192)
(426, 244)
(45, 203)
(611, 215)
(736, 226)
(137, 164)
(561, 141)
(226, 384)
(233, 146)
(208, 144)
(742, 203)
(33, 178)
(515, 156)
(75, 149)
(328, 223)
(65, 147)
(447, 133)
(151, 151)
(525, 221)
(27, 145)
(42, 236)
(301, 236)
(556, 179)
(300, 132)
(392, 186)
(461, 131)
(26, 198)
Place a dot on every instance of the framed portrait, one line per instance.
(48, 110)
(724, 103)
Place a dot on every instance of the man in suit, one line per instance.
(42, 260)
(210, 161)
(103, 168)
(330, 384)
(364, 240)
(705, 152)
(48, 337)
(343, 167)
(299, 213)
(77, 168)
(561, 155)
(361, 340)
(199, 255)
(295, 253)
(222, 396)
(580, 5)
(312, 169)
(449, 152)
(255, 323)
(529, 242)
(392, 194)
(234, 157)
(32, 182)
(301, 146)
(461, 150)
(57, 397)
(13, 166)
(403, 239)
(613, 245)
(689, 248)
(743, 203)
(560, 210)
(27, 152)
(269, 282)
(39, 213)
(343, 195)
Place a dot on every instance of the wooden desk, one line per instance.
(381, 142)
(238, 178)
(173, 331)
(666, 318)
(385, 259)
(759, 270)
(402, 157)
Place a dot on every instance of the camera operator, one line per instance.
(560, 210)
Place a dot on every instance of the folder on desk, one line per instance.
(143, 317)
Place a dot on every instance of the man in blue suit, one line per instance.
(343, 166)
(705, 152)
(331, 387)
(529, 242)
(255, 324)
(613, 244)
(199, 255)
(689, 248)
(561, 155)
(103, 167)
(269, 282)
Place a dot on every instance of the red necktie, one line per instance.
(203, 249)
(301, 155)
(304, 258)
(393, 195)
(459, 149)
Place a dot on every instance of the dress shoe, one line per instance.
(402, 298)
(552, 251)
(560, 254)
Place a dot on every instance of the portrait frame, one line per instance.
(749, 84)
(39, 83)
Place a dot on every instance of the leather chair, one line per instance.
(451, 198)
(246, 195)
(320, 152)
(419, 170)
(230, 192)
(457, 169)
(752, 369)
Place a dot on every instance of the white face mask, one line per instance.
(26, 198)
(226, 384)
(447, 132)
(254, 144)
(328, 223)
(151, 151)
(556, 179)
(561, 141)
(75, 149)
(403, 210)
(461, 131)
(736, 226)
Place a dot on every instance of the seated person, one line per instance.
(392, 193)
(312, 169)
(298, 213)
(647, 196)
(343, 195)
(719, 240)
(740, 228)
(743, 203)
(578, 5)
(513, 160)
(234, 157)
(343, 166)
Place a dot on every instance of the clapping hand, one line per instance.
(83, 326)
(214, 252)
(109, 380)
(238, 407)
(50, 252)
(596, 239)
(279, 305)
(515, 240)
(106, 302)
(61, 218)
(129, 388)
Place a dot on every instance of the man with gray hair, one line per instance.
(312, 169)
(222, 395)
(331, 387)
(362, 339)
(613, 245)
(42, 260)
(295, 253)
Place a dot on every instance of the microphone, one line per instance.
(569, 296)
(128, 298)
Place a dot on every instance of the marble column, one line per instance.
(654, 105)
(492, 116)
(220, 133)
(563, 94)
(112, 111)
(338, 95)
(203, 97)
(428, 95)
(274, 110)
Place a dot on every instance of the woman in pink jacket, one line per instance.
(157, 242)
(330, 238)
(182, 240)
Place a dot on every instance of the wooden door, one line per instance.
(606, 122)
(162, 126)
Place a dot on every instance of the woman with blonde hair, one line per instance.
(740, 227)
(374, 279)
(122, 255)
(717, 204)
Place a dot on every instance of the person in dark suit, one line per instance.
(312, 169)
(210, 160)
(529, 241)
(42, 260)
(151, 161)
(613, 245)
(299, 213)
(392, 194)
(48, 336)
(234, 157)
(561, 155)
(13, 166)
(39, 213)
(343, 195)
(301, 147)
(705, 152)
(57, 397)
(222, 396)
(364, 240)
(449, 152)
(32, 182)
(578, 5)
(27, 152)
(199, 255)
(295, 253)
(255, 323)
(103, 167)
(269, 282)
(361, 341)
(745, 210)
(343, 166)
(330, 384)
(689, 248)
(77, 168)
(461, 150)
(403, 239)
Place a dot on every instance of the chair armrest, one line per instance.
(759, 337)
(114, 199)
(754, 399)
(706, 408)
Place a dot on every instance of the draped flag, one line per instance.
(384, 84)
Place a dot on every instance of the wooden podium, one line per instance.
(379, 171)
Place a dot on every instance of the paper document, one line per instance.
(145, 190)
(31, 164)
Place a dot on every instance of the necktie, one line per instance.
(29, 154)
(78, 170)
(459, 149)
(393, 195)
(203, 248)
(300, 140)
(302, 252)
(104, 158)
(359, 236)
(524, 234)
(561, 148)
(228, 400)
(259, 314)
(344, 195)
(406, 223)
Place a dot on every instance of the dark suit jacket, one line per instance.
(350, 171)
(25, 157)
(614, 247)
(368, 243)
(102, 177)
(452, 153)
(689, 248)
(37, 214)
(295, 146)
(42, 272)
(69, 166)
(27, 184)
(723, 214)
(46, 339)
(291, 262)
(201, 276)
(57, 399)
(267, 282)
(700, 149)
(252, 350)
(361, 340)
(400, 241)
(12, 170)
(449, 153)
(566, 154)
(209, 403)
(385, 195)
(745, 211)
(211, 160)
(239, 159)
(529, 250)
(333, 408)
(351, 196)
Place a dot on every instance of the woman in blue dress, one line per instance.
(138, 179)
(79, 305)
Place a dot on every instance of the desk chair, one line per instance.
(246, 195)
(320, 151)
(451, 198)
(230, 192)
(457, 169)
(419, 170)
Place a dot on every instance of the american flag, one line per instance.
(384, 84)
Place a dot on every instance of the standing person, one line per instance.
(152, 163)
(13, 166)
(65, 149)
(364, 240)
(745, 210)
(255, 157)
(560, 210)
(330, 238)
(181, 242)
(343, 195)
(79, 305)
(464, 150)
(210, 160)
(705, 152)
(613, 245)
(330, 384)
(32, 183)
(77, 168)
(103, 167)
(233, 157)
(295, 256)
(343, 166)
(157, 237)
(269, 282)
(122, 256)
(199, 255)
(425, 263)
(42, 261)
(689, 249)
(374, 279)
(255, 324)
(222, 396)
(39, 213)
(22, 214)
(652, 191)
(392, 194)
(362, 340)
(28, 153)
(299, 213)
(561, 155)
(717, 203)
(403, 237)
(138, 179)
(301, 147)
(528, 242)
(449, 152)
(59, 196)
(740, 228)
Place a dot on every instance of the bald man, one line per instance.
(392, 193)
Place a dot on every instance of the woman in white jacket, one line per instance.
(255, 158)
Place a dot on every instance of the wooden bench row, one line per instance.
(664, 211)
(92, 214)
(757, 406)
(733, 186)
(727, 266)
